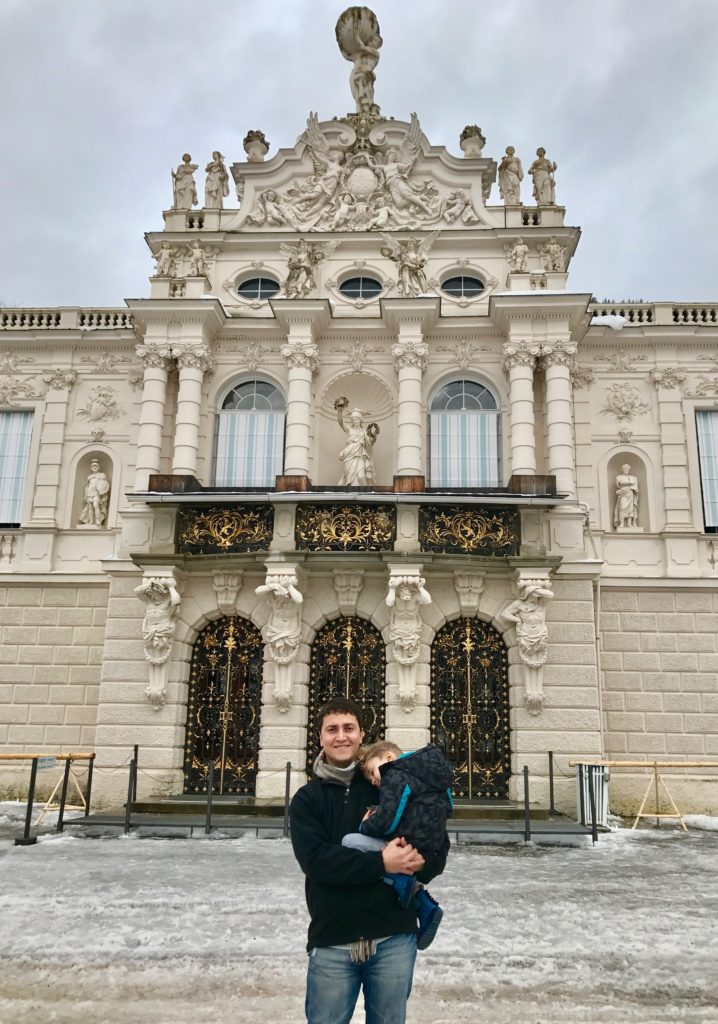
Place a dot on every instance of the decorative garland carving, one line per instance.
(475, 531)
(224, 530)
(345, 527)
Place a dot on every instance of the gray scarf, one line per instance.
(324, 770)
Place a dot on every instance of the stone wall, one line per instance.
(660, 700)
(50, 665)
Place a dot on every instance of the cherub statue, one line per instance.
(328, 168)
(397, 167)
(357, 33)
(302, 258)
(271, 208)
(344, 212)
(542, 171)
(411, 259)
(95, 498)
(184, 189)
(216, 186)
(356, 453)
(457, 204)
(554, 256)
(518, 256)
(511, 175)
(199, 258)
(166, 261)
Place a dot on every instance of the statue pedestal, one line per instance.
(518, 282)
(629, 529)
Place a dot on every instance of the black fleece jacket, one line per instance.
(346, 897)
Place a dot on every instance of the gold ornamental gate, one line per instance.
(225, 693)
(470, 707)
(348, 660)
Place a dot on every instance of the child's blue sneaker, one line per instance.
(404, 886)
(430, 914)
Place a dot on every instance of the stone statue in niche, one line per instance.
(406, 596)
(283, 630)
(410, 256)
(518, 256)
(357, 451)
(554, 256)
(511, 175)
(302, 259)
(528, 614)
(158, 629)
(625, 513)
(542, 172)
(96, 498)
(184, 189)
(216, 186)
(357, 32)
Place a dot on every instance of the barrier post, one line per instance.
(527, 811)
(88, 790)
(592, 803)
(582, 801)
(287, 781)
(63, 795)
(136, 758)
(210, 787)
(26, 839)
(128, 805)
(551, 808)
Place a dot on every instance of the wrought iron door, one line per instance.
(348, 660)
(225, 692)
(470, 707)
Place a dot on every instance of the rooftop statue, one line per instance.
(542, 171)
(510, 177)
(183, 185)
(359, 40)
(217, 183)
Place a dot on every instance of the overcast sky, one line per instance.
(99, 99)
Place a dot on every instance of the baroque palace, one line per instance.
(361, 438)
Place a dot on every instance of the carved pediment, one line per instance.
(363, 173)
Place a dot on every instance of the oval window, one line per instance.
(462, 287)
(258, 288)
(361, 288)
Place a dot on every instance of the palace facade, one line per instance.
(361, 438)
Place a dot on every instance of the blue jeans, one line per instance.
(333, 983)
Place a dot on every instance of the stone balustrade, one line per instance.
(66, 318)
(662, 314)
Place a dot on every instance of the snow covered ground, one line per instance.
(122, 931)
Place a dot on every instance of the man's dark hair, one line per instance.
(339, 706)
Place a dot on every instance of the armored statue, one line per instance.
(95, 498)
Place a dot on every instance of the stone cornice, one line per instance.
(422, 313)
(207, 313)
(311, 315)
(570, 307)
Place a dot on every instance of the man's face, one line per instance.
(340, 738)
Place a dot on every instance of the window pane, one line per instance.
(462, 395)
(15, 433)
(258, 288)
(464, 449)
(254, 394)
(250, 449)
(707, 423)
(360, 288)
(462, 287)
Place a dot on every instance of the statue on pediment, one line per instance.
(397, 168)
(542, 172)
(184, 188)
(328, 167)
(511, 175)
(216, 187)
(359, 40)
(410, 255)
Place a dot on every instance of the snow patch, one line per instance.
(613, 320)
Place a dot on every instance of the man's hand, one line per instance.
(369, 812)
(401, 858)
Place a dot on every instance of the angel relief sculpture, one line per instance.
(302, 258)
(410, 255)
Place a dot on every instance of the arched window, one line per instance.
(249, 450)
(464, 436)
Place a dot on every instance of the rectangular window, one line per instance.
(15, 433)
(464, 449)
(250, 449)
(707, 424)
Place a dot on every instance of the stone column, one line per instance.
(518, 364)
(668, 381)
(557, 361)
(49, 457)
(410, 354)
(300, 354)
(193, 362)
(156, 360)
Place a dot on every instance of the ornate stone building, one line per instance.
(362, 438)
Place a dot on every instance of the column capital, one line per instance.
(558, 353)
(520, 353)
(668, 377)
(60, 380)
(409, 354)
(196, 357)
(302, 355)
(151, 354)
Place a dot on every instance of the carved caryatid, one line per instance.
(359, 40)
(528, 615)
(162, 601)
(407, 593)
(283, 630)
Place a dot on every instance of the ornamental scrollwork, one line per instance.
(345, 528)
(624, 402)
(224, 530)
(475, 531)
